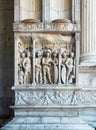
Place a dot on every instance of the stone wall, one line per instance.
(6, 57)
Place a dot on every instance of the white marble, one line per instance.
(76, 10)
(30, 9)
(50, 106)
(52, 27)
(60, 9)
(16, 10)
(87, 80)
(57, 10)
(25, 123)
(66, 9)
(88, 39)
(55, 97)
(46, 10)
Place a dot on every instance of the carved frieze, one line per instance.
(65, 27)
(55, 98)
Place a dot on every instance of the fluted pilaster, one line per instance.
(88, 38)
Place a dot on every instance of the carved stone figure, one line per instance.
(20, 67)
(27, 68)
(70, 65)
(72, 77)
(52, 60)
(21, 76)
(46, 64)
(55, 60)
(63, 68)
(19, 56)
(38, 73)
(23, 55)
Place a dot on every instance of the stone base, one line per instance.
(47, 123)
(51, 107)
(88, 59)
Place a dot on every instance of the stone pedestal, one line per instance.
(41, 104)
(88, 42)
(50, 108)
(48, 123)
(48, 101)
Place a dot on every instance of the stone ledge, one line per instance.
(47, 112)
(47, 27)
(52, 87)
(45, 87)
(87, 69)
(54, 107)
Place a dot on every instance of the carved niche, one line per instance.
(25, 60)
(46, 59)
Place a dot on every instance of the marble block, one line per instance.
(47, 123)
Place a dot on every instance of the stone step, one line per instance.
(47, 127)
(26, 123)
(91, 120)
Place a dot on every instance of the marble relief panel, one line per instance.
(25, 60)
(50, 61)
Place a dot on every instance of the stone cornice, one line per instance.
(46, 27)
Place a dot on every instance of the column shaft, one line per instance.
(31, 9)
(88, 38)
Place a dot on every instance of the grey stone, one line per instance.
(23, 123)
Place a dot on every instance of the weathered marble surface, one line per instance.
(66, 27)
(88, 40)
(47, 123)
(87, 80)
(46, 59)
(87, 76)
(54, 96)
(49, 99)
(30, 9)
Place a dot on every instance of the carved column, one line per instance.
(60, 9)
(57, 9)
(76, 10)
(16, 10)
(31, 9)
(46, 10)
(88, 38)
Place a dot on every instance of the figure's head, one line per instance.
(55, 53)
(64, 54)
(28, 54)
(38, 53)
(23, 54)
(48, 53)
(71, 54)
